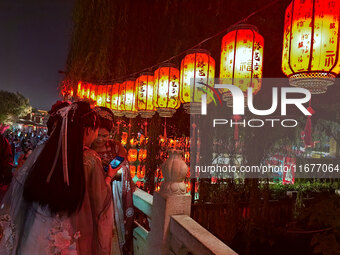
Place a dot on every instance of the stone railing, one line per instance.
(172, 230)
(143, 202)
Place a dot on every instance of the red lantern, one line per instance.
(108, 96)
(79, 89)
(83, 89)
(310, 56)
(132, 155)
(128, 98)
(166, 90)
(197, 75)
(241, 59)
(87, 90)
(124, 138)
(93, 94)
(142, 154)
(101, 95)
(145, 85)
(133, 171)
(140, 172)
(115, 100)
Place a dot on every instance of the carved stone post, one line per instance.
(172, 199)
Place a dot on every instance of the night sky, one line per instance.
(34, 39)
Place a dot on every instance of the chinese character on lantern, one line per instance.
(144, 85)
(197, 75)
(166, 90)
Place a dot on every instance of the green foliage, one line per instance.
(304, 187)
(13, 105)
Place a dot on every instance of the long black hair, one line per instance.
(55, 194)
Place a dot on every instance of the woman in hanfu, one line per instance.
(122, 184)
(69, 205)
(13, 207)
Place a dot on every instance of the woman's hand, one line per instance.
(112, 171)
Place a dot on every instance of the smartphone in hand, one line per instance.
(115, 163)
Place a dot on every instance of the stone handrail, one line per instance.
(172, 230)
(142, 201)
(186, 235)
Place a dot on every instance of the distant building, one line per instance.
(34, 121)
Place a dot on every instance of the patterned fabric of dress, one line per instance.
(30, 229)
(13, 207)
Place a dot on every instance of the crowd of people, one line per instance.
(67, 197)
(23, 142)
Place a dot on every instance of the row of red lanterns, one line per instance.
(168, 87)
(310, 59)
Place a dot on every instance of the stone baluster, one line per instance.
(172, 199)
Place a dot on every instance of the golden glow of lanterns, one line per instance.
(83, 90)
(166, 90)
(87, 90)
(100, 99)
(142, 153)
(116, 106)
(108, 96)
(132, 155)
(133, 171)
(140, 172)
(79, 89)
(93, 94)
(144, 84)
(133, 142)
(241, 59)
(103, 95)
(128, 98)
(197, 71)
(310, 56)
(124, 138)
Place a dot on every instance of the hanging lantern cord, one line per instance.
(308, 128)
(129, 127)
(118, 124)
(146, 127)
(165, 135)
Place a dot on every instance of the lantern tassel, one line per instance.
(308, 128)
(165, 129)
(236, 119)
(118, 126)
(129, 127)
